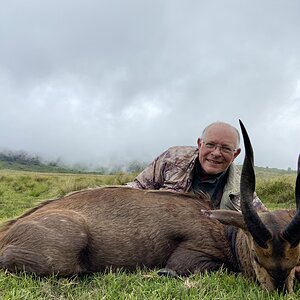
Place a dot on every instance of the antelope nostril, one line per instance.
(281, 286)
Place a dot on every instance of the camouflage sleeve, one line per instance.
(134, 184)
(152, 177)
(258, 205)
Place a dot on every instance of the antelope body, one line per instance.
(119, 227)
(90, 230)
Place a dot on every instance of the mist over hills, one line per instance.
(23, 161)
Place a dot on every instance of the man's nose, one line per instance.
(217, 150)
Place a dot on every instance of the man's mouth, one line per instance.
(214, 162)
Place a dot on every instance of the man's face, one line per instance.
(217, 149)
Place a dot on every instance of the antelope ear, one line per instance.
(227, 217)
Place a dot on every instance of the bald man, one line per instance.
(209, 167)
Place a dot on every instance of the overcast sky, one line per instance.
(106, 81)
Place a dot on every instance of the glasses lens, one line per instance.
(210, 145)
(226, 150)
(223, 149)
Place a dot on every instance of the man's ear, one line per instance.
(199, 142)
(237, 152)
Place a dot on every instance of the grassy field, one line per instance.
(22, 190)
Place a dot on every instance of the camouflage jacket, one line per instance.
(173, 170)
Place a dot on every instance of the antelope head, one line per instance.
(272, 237)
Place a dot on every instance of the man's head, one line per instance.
(218, 147)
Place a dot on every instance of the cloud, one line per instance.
(112, 81)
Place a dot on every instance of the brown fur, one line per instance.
(114, 226)
(274, 266)
(90, 230)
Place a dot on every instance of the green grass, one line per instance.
(22, 190)
(277, 191)
(139, 285)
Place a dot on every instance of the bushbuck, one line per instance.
(121, 227)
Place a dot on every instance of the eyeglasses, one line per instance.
(224, 149)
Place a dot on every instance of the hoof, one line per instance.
(167, 272)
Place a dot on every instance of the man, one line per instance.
(207, 168)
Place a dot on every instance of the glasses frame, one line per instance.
(223, 149)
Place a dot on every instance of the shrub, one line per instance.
(277, 190)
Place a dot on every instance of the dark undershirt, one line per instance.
(213, 185)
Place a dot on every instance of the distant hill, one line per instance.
(22, 161)
(272, 171)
